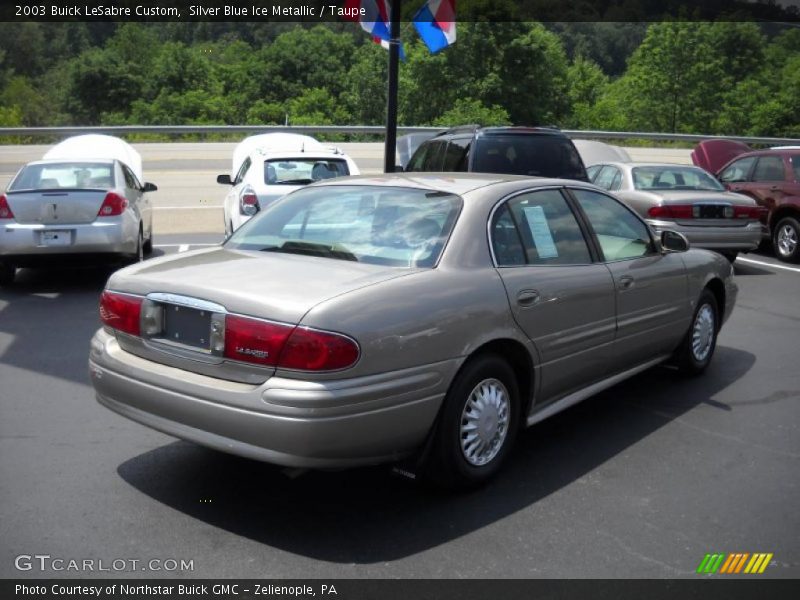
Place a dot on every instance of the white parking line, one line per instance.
(179, 246)
(766, 264)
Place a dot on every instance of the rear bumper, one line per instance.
(113, 235)
(317, 424)
(734, 239)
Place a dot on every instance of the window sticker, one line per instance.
(540, 230)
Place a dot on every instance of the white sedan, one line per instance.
(269, 166)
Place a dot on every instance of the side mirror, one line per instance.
(672, 241)
(149, 187)
(224, 179)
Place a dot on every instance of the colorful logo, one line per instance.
(729, 564)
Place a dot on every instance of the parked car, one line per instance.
(685, 199)
(365, 320)
(594, 152)
(771, 177)
(536, 151)
(84, 199)
(268, 166)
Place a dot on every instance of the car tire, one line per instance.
(786, 240)
(138, 255)
(476, 426)
(7, 274)
(731, 256)
(697, 348)
(148, 245)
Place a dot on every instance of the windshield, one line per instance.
(302, 171)
(379, 225)
(66, 175)
(537, 155)
(673, 178)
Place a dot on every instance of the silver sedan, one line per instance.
(426, 317)
(685, 199)
(59, 208)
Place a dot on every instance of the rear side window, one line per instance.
(609, 178)
(533, 155)
(428, 156)
(769, 168)
(538, 228)
(456, 157)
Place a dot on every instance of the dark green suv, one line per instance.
(534, 151)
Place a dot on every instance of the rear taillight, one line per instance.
(113, 205)
(121, 312)
(253, 340)
(286, 346)
(312, 350)
(248, 202)
(5, 209)
(748, 212)
(671, 211)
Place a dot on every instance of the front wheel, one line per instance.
(786, 240)
(695, 352)
(476, 427)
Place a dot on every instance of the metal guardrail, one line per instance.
(363, 130)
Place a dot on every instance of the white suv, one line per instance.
(269, 166)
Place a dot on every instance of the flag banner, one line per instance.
(436, 24)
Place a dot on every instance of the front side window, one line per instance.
(737, 170)
(379, 225)
(769, 168)
(620, 233)
(673, 178)
(796, 167)
(538, 228)
(64, 175)
(303, 171)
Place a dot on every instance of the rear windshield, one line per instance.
(66, 175)
(673, 178)
(537, 155)
(378, 225)
(302, 171)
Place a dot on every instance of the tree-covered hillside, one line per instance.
(693, 77)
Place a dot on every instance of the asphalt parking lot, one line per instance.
(640, 481)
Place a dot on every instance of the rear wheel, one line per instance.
(7, 273)
(786, 240)
(476, 427)
(731, 256)
(697, 348)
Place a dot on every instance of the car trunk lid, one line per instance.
(56, 207)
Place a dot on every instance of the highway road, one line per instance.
(189, 199)
(640, 481)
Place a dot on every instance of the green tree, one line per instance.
(466, 110)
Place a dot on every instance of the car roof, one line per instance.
(498, 130)
(58, 161)
(457, 183)
(630, 165)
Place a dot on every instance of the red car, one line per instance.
(771, 177)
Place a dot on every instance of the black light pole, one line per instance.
(391, 95)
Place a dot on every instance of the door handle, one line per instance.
(527, 298)
(736, 188)
(774, 188)
(626, 282)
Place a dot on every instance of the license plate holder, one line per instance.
(709, 211)
(187, 326)
(56, 237)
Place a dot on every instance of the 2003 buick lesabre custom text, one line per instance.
(419, 315)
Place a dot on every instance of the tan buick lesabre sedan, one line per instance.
(420, 316)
